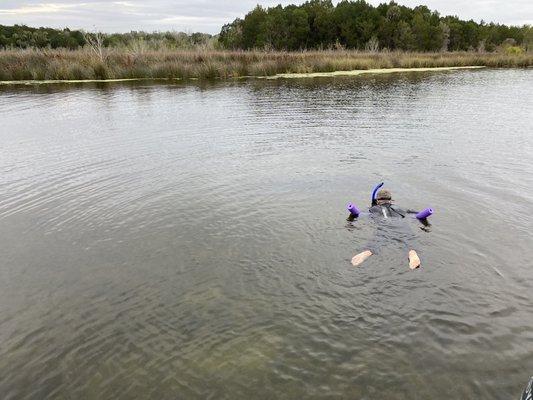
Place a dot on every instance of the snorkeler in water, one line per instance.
(382, 206)
(528, 391)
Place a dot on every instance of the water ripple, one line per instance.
(164, 241)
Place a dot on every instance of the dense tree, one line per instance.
(231, 35)
(528, 39)
(320, 20)
(315, 24)
(253, 28)
(357, 24)
(21, 36)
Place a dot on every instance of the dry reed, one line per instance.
(34, 64)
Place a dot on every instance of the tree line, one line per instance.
(318, 24)
(22, 36)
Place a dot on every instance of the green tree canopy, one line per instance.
(354, 23)
(22, 36)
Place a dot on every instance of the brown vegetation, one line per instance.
(84, 64)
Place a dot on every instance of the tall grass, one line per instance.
(33, 64)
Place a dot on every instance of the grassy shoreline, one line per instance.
(84, 65)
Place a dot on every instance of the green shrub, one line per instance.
(514, 50)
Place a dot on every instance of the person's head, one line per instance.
(384, 196)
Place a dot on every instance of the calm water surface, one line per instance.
(191, 242)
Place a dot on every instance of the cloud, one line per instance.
(44, 8)
(514, 12)
(210, 15)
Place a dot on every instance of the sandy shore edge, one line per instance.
(50, 81)
(278, 76)
(367, 71)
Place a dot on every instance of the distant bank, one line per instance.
(114, 64)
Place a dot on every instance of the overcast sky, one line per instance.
(209, 15)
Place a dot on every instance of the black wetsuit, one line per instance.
(528, 391)
(389, 211)
(389, 230)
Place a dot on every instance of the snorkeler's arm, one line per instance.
(423, 221)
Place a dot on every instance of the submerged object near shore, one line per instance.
(352, 208)
(425, 213)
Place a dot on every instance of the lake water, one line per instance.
(190, 241)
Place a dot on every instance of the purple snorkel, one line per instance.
(374, 192)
